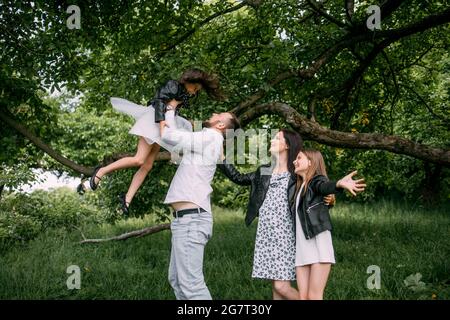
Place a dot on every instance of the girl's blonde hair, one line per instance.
(317, 168)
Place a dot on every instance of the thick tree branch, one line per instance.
(312, 130)
(127, 235)
(429, 22)
(9, 120)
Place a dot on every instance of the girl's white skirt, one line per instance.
(145, 125)
(315, 250)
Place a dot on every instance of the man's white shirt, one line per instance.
(202, 151)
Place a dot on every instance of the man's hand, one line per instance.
(330, 200)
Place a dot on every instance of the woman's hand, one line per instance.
(353, 186)
(173, 104)
(330, 200)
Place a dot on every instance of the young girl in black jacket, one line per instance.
(314, 247)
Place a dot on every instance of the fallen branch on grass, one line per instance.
(131, 234)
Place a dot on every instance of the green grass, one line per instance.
(400, 239)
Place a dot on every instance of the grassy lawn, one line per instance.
(399, 239)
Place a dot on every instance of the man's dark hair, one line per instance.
(233, 123)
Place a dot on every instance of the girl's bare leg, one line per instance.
(283, 290)
(143, 150)
(318, 280)
(303, 274)
(142, 173)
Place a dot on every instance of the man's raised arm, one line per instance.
(180, 139)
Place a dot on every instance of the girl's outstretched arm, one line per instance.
(324, 186)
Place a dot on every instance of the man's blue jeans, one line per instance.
(190, 234)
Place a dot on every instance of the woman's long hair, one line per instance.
(209, 82)
(317, 168)
(295, 143)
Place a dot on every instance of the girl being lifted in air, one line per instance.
(149, 121)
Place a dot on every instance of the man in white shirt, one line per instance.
(190, 196)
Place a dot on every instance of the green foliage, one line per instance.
(120, 51)
(149, 198)
(228, 194)
(387, 175)
(17, 175)
(24, 216)
(87, 137)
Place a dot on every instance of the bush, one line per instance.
(17, 227)
(24, 216)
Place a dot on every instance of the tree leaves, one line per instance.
(119, 52)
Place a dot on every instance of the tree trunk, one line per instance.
(430, 190)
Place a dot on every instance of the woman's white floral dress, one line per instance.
(275, 236)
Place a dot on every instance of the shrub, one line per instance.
(24, 216)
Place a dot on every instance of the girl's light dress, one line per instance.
(145, 125)
(315, 250)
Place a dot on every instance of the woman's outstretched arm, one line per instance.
(230, 171)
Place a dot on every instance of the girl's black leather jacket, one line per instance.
(312, 211)
(171, 90)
